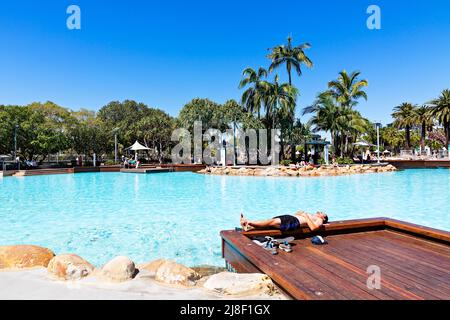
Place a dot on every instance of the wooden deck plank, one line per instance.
(353, 285)
(342, 270)
(395, 270)
(401, 253)
(324, 276)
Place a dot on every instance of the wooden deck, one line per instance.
(147, 170)
(414, 261)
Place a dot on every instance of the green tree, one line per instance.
(155, 129)
(326, 116)
(203, 110)
(405, 118)
(123, 115)
(423, 118)
(89, 135)
(441, 111)
(292, 57)
(348, 89)
(253, 96)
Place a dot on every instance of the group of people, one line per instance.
(130, 162)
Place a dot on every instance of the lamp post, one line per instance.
(234, 143)
(15, 141)
(115, 130)
(378, 142)
(224, 160)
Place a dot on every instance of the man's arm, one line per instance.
(311, 224)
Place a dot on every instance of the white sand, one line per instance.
(35, 284)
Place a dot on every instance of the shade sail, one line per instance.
(137, 146)
(363, 144)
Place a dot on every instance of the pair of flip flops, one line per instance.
(271, 244)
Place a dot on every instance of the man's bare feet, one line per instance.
(245, 224)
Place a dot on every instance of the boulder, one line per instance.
(235, 284)
(24, 256)
(292, 172)
(259, 172)
(69, 267)
(152, 267)
(174, 273)
(118, 269)
(206, 270)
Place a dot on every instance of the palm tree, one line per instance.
(252, 98)
(422, 117)
(327, 115)
(347, 89)
(441, 110)
(405, 118)
(293, 57)
(280, 100)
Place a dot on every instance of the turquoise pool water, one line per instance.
(179, 215)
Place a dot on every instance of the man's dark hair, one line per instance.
(325, 219)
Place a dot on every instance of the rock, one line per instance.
(69, 267)
(171, 272)
(259, 172)
(229, 283)
(152, 267)
(24, 256)
(206, 271)
(119, 269)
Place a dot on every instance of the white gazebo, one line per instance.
(137, 147)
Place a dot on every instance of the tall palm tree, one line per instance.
(347, 89)
(293, 57)
(405, 118)
(441, 110)
(422, 117)
(327, 117)
(281, 100)
(253, 97)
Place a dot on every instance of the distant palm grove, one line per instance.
(39, 130)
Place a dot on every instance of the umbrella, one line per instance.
(362, 143)
(136, 147)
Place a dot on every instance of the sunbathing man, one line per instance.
(287, 222)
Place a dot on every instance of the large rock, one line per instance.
(152, 267)
(229, 283)
(24, 256)
(119, 269)
(69, 267)
(171, 272)
(207, 270)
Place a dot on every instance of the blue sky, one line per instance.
(165, 53)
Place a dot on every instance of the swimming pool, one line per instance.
(179, 215)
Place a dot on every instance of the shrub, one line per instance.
(285, 162)
(344, 160)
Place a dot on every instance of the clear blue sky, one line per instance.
(165, 53)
